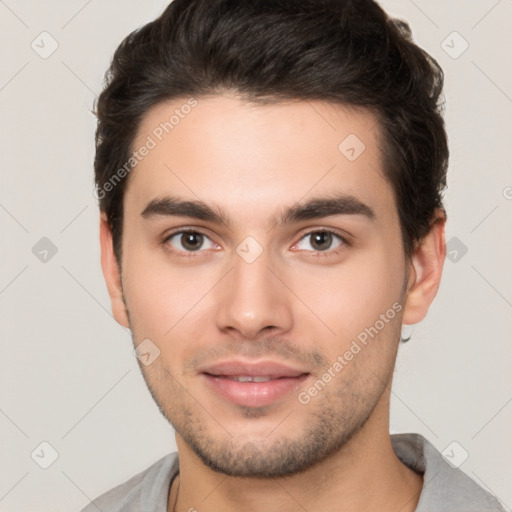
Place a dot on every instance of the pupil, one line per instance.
(322, 240)
(192, 241)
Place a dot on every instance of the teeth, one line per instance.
(243, 379)
(247, 378)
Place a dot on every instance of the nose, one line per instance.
(253, 299)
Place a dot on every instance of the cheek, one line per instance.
(163, 298)
(353, 296)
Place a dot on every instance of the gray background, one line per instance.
(68, 375)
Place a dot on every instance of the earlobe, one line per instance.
(111, 273)
(425, 272)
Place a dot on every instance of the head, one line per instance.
(301, 146)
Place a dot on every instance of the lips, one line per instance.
(248, 378)
(252, 384)
(270, 369)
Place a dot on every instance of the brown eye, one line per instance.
(321, 241)
(189, 241)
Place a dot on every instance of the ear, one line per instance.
(111, 273)
(426, 267)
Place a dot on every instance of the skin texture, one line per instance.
(293, 304)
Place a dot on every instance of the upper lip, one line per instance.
(260, 369)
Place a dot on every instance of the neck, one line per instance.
(365, 474)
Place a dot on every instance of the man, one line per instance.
(270, 176)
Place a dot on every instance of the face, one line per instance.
(264, 261)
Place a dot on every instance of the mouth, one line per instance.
(252, 384)
(246, 378)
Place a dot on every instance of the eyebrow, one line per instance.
(316, 208)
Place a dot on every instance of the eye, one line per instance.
(189, 241)
(321, 241)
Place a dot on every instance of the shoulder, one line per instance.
(147, 490)
(445, 487)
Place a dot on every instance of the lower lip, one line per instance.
(254, 394)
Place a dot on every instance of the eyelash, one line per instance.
(316, 254)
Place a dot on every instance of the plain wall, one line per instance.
(68, 375)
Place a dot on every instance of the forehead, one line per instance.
(254, 157)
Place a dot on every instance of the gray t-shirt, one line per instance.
(445, 489)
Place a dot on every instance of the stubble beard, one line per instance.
(324, 427)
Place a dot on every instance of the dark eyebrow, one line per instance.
(317, 208)
(168, 205)
(313, 209)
